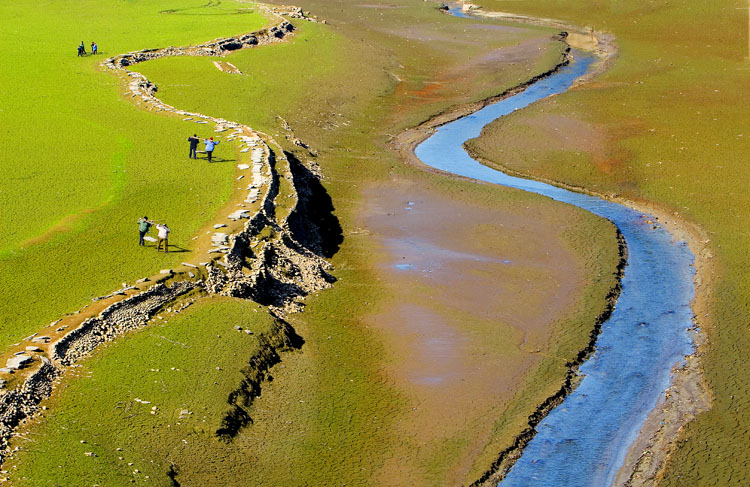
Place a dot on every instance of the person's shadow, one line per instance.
(220, 159)
(177, 249)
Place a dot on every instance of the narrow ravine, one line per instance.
(584, 441)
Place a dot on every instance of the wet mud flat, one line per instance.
(478, 288)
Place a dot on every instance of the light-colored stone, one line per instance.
(18, 362)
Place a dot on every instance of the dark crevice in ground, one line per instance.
(282, 338)
(313, 222)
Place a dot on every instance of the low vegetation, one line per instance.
(81, 164)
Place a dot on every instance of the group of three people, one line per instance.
(144, 225)
(210, 145)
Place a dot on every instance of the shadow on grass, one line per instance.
(313, 222)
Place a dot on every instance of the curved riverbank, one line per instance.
(688, 394)
(675, 412)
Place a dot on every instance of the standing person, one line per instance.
(144, 224)
(210, 144)
(82, 49)
(94, 48)
(163, 236)
(193, 146)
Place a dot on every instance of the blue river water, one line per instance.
(583, 441)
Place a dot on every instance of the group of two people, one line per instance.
(144, 225)
(82, 49)
(210, 145)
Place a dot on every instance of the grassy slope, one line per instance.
(192, 361)
(77, 176)
(671, 118)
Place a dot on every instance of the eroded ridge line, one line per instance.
(271, 261)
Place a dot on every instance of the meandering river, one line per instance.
(583, 441)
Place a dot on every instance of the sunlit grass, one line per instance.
(80, 163)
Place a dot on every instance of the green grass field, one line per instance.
(668, 125)
(81, 164)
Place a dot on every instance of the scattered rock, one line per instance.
(90, 454)
(165, 271)
(33, 349)
(18, 362)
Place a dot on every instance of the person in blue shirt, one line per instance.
(210, 144)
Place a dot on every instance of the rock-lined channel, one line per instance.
(583, 441)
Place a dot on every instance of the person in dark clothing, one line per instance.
(144, 224)
(82, 49)
(193, 145)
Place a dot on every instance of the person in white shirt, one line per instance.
(163, 236)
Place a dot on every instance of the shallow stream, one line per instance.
(583, 441)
